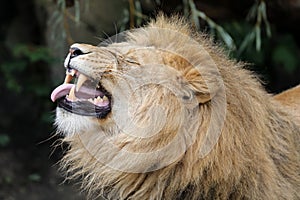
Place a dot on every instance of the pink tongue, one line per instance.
(61, 91)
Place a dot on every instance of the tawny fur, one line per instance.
(291, 98)
(255, 157)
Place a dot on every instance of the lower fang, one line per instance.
(72, 94)
(105, 98)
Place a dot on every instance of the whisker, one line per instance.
(108, 39)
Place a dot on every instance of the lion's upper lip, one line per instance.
(84, 92)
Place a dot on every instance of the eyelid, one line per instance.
(132, 61)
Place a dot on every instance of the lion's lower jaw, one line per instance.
(69, 124)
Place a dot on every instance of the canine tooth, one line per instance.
(68, 78)
(81, 79)
(73, 72)
(105, 98)
(72, 94)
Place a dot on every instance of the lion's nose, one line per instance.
(74, 52)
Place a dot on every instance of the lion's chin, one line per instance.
(69, 124)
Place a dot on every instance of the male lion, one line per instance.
(164, 114)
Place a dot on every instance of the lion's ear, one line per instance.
(202, 81)
(203, 87)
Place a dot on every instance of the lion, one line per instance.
(161, 112)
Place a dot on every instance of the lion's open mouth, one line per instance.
(83, 97)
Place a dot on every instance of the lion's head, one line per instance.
(162, 113)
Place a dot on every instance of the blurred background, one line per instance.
(34, 39)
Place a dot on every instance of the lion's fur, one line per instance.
(256, 156)
(291, 98)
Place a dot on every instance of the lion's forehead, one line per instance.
(113, 54)
(90, 53)
(126, 56)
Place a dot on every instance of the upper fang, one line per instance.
(68, 79)
(81, 79)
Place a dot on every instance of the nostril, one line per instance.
(74, 51)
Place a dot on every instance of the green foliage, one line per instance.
(189, 6)
(239, 31)
(257, 11)
(133, 15)
(34, 177)
(278, 50)
(58, 19)
(254, 35)
(24, 59)
(7, 179)
(285, 54)
(26, 75)
(8, 69)
(32, 53)
(4, 140)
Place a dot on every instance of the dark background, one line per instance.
(34, 38)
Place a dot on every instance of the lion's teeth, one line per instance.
(69, 75)
(68, 79)
(72, 94)
(73, 72)
(81, 79)
(98, 100)
(105, 98)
